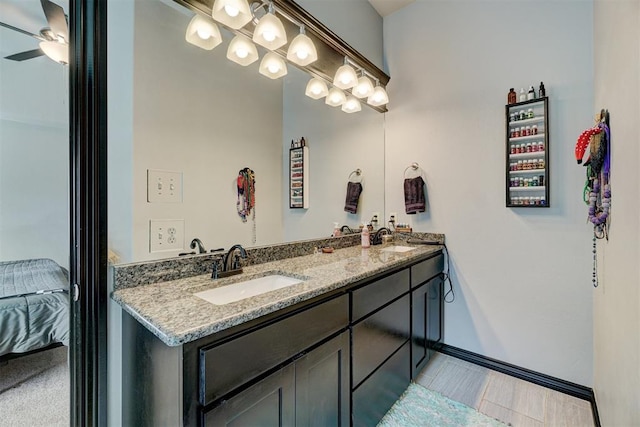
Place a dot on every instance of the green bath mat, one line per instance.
(420, 407)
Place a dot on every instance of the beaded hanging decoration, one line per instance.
(246, 202)
(597, 191)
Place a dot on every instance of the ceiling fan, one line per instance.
(53, 39)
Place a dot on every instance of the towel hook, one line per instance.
(357, 172)
(414, 166)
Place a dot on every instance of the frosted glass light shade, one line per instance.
(59, 52)
(316, 89)
(302, 51)
(273, 66)
(232, 13)
(364, 88)
(335, 97)
(242, 51)
(203, 32)
(270, 32)
(378, 97)
(351, 105)
(345, 77)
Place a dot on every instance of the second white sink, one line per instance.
(398, 249)
(247, 289)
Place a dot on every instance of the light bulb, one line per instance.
(352, 105)
(242, 51)
(272, 66)
(270, 32)
(203, 33)
(316, 88)
(269, 36)
(345, 77)
(302, 51)
(377, 97)
(231, 11)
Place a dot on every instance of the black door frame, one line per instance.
(88, 207)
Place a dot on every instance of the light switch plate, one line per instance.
(166, 235)
(164, 186)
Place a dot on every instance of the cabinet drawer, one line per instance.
(426, 269)
(381, 390)
(225, 366)
(378, 293)
(378, 336)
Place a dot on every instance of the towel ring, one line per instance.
(357, 172)
(415, 167)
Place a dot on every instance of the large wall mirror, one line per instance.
(178, 108)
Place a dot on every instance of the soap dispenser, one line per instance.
(365, 236)
(336, 230)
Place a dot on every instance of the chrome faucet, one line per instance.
(231, 261)
(377, 238)
(197, 242)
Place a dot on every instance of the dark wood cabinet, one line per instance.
(380, 348)
(313, 390)
(337, 360)
(270, 402)
(426, 311)
(426, 322)
(322, 385)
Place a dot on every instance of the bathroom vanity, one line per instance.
(338, 348)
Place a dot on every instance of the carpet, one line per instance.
(419, 406)
(34, 390)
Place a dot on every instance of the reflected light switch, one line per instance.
(164, 186)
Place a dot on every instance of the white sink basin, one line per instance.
(247, 289)
(398, 249)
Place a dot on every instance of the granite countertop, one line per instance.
(172, 313)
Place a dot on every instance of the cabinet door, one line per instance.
(435, 303)
(270, 402)
(419, 350)
(426, 325)
(375, 396)
(322, 385)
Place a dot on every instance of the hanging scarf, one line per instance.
(246, 193)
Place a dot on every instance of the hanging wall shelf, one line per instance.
(527, 153)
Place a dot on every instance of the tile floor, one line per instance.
(508, 399)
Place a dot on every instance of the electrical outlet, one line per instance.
(164, 186)
(166, 235)
(375, 217)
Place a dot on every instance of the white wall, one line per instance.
(521, 276)
(617, 299)
(34, 155)
(354, 21)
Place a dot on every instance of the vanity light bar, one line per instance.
(314, 40)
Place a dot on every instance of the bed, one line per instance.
(34, 305)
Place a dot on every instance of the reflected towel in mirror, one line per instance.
(353, 195)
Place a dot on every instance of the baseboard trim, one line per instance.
(567, 387)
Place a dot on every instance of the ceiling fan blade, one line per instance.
(11, 27)
(56, 18)
(23, 56)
